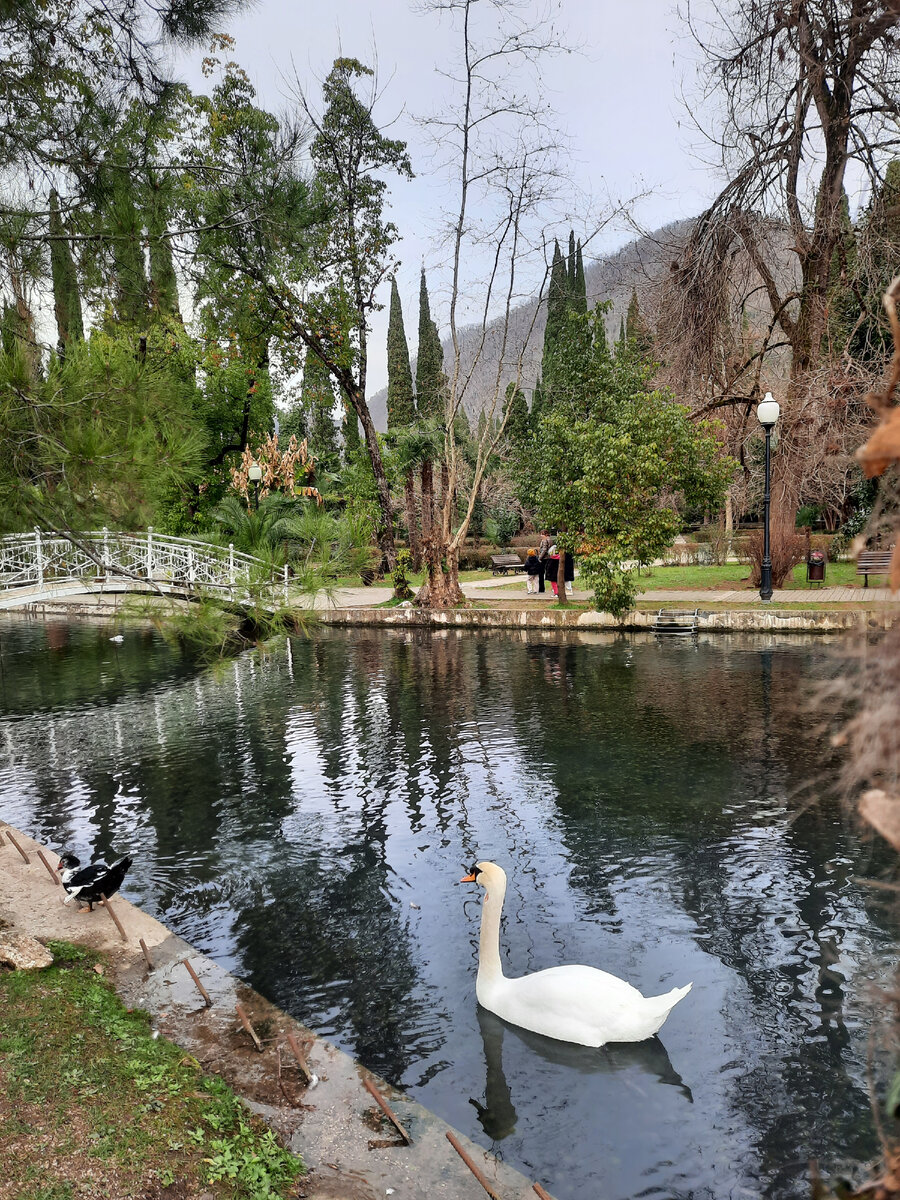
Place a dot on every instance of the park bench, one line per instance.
(502, 564)
(873, 562)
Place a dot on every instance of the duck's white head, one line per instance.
(491, 877)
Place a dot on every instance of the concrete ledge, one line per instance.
(331, 1125)
(730, 621)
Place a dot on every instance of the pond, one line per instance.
(304, 817)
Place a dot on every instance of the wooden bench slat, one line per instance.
(873, 562)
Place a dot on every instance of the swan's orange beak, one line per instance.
(468, 878)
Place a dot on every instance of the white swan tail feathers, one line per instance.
(666, 1003)
(570, 1003)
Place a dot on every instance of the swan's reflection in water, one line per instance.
(497, 1114)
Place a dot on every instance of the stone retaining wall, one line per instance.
(730, 621)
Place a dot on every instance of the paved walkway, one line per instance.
(487, 589)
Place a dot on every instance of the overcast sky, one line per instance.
(618, 99)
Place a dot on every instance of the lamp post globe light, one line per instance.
(767, 415)
(254, 474)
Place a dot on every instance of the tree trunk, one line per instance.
(412, 521)
(385, 530)
(445, 505)
(427, 502)
(561, 578)
(441, 587)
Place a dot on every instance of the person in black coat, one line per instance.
(534, 569)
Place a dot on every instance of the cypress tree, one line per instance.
(518, 422)
(163, 281)
(557, 298)
(401, 412)
(66, 297)
(579, 291)
(431, 382)
(126, 229)
(557, 306)
(571, 265)
(401, 401)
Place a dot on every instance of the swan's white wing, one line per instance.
(573, 1004)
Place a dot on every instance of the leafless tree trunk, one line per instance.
(808, 88)
(495, 144)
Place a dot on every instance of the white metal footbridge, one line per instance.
(42, 566)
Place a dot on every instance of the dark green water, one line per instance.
(305, 817)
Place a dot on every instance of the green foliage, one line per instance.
(98, 439)
(67, 1041)
(66, 296)
(431, 382)
(502, 525)
(614, 462)
(401, 401)
(518, 422)
(402, 590)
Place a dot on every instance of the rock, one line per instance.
(22, 952)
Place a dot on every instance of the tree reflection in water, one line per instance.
(304, 816)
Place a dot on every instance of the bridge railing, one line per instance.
(38, 559)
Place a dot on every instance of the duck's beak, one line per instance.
(468, 878)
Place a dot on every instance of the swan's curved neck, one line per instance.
(489, 943)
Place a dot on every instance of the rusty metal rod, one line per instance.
(540, 1191)
(200, 988)
(147, 958)
(300, 1057)
(245, 1021)
(471, 1165)
(386, 1109)
(109, 908)
(53, 874)
(18, 847)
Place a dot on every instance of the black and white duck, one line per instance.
(90, 884)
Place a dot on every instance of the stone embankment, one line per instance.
(328, 1113)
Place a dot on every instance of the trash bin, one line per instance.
(815, 567)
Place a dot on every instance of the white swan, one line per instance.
(572, 1004)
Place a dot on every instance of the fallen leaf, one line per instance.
(98, 968)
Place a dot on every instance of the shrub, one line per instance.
(786, 550)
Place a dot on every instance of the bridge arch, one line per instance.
(41, 566)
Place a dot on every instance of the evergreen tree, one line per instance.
(557, 304)
(313, 417)
(518, 421)
(163, 281)
(401, 401)
(124, 227)
(579, 290)
(571, 265)
(401, 413)
(66, 297)
(431, 382)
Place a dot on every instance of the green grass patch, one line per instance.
(106, 1108)
(734, 576)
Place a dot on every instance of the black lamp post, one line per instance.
(255, 475)
(767, 414)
